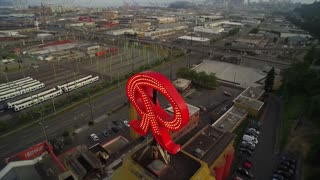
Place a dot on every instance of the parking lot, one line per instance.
(262, 160)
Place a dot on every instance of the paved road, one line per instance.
(81, 116)
(266, 152)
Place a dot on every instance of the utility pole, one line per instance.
(54, 107)
(90, 107)
(54, 70)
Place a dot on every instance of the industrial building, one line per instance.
(232, 73)
(251, 41)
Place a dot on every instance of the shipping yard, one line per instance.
(75, 80)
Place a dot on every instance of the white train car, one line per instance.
(15, 85)
(9, 84)
(73, 82)
(13, 89)
(35, 101)
(12, 104)
(81, 84)
(22, 91)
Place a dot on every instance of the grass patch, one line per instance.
(293, 108)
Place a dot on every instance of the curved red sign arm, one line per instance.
(140, 93)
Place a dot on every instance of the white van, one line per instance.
(250, 139)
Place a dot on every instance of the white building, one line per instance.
(213, 30)
(120, 31)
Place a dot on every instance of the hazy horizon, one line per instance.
(114, 3)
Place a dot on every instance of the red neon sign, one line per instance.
(140, 93)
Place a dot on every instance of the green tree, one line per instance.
(269, 81)
(254, 31)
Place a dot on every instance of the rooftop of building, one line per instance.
(181, 83)
(253, 93)
(43, 167)
(231, 119)
(192, 109)
(180, 165)
(208, 144)
(232, 73)
(249, 102)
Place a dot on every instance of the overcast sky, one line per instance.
(106, 3)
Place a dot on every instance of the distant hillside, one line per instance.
(308, 18)
(181, 5)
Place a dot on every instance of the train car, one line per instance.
(15, 81)
(64, 86)
(37, 100)
(35, 82)
(22, 91)
(5, 88)
(81, 84)
(12, 104)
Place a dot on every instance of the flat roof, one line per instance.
(115, 145)
(253, 93)
(255, 104)
(232, 73)
(181, 165)
(181, 83)
(43, 167)
(192, 109)
(231, 119)
(211, 141)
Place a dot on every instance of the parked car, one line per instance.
(255, 124)
(126, 122)
(245, 173)
(277, 177)
(245, 151)
(248, 143)
(286, 163)
(290, 160)
(250, 133)
(105, 133)
(253, 130)
(248, 146)
(283, 173)
(115, 129)
(285, 168)
(94, 137)
(118, 123)
(247, 164)
(250, 139)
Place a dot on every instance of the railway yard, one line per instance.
(43, 86)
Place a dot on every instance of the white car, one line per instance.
(249, 143)
(126, 123)
(253, 130)
(94, 137)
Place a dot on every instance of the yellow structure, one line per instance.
(132, 116)
(204, 156)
